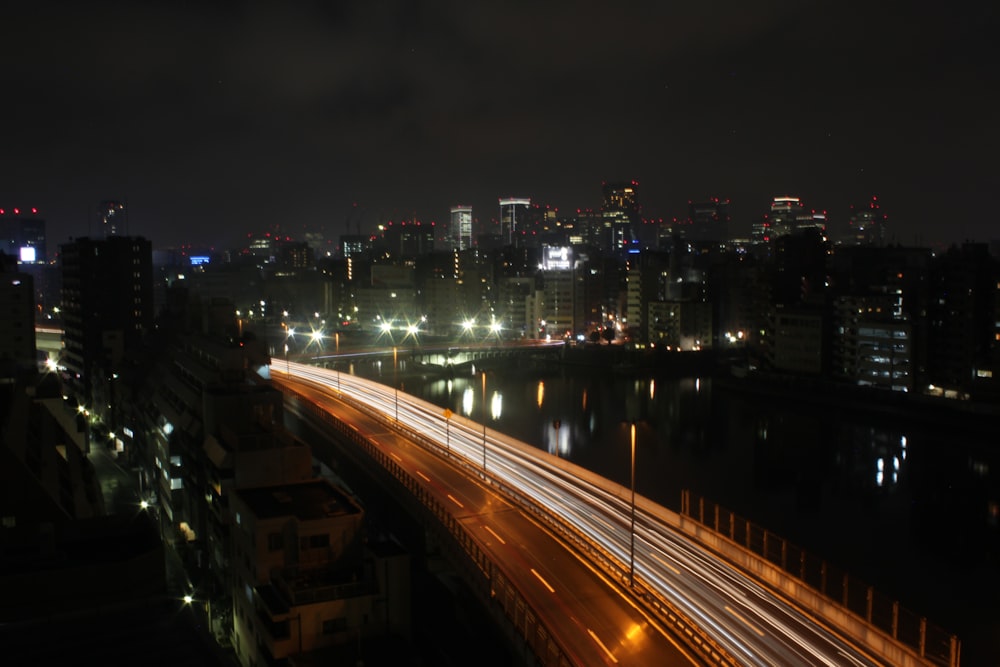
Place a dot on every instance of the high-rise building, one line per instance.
(867, 225)
(621, 196)
(460, 229)
(513, 216)
(17, 336)
(406, 240)
(22, 235)
(620, 215)
(107, 303)
(707, 220)
(114, 220)
(785, 214)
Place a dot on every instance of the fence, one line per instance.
(931, 642)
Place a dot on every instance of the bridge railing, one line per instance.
(929, 641)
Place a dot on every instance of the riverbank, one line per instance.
(917, 409)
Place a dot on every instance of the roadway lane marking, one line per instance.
(666, 564)
(490, 531)
(544, 583)
(744, 620)
(601, 644)
(455, 500)
(425, 477)
(396, 456)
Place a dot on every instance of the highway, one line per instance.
(593, 619)
(748, 624)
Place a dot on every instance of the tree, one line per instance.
(608, 334)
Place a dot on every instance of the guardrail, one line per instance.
(928, 641)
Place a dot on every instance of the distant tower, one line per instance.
(785, 214)
(621, 215)
(513, 211)
(708, 220)
(460, 229)
(867, 225)
(113, 218)
(22, 235)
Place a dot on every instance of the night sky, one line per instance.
(214, 119)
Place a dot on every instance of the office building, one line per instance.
(460, 228)
(867, 225)
(513, 218)
(22, 235)
(113, 217)
(707, 220)
(620, 216)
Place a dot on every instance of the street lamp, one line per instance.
(289, 333)
(484, 423)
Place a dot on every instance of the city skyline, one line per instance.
(211, 122)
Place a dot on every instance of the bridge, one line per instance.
(729, 606)
(456, 359)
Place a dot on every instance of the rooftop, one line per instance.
(316, 499)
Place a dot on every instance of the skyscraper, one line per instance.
(460, 229)
(22, 235)
(620, 215)
(867, 225)
(708, 220)
(114, 220)
(513, 215)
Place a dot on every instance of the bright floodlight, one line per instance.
(386, 326)
(495, 327)
(317, 336)
(291, 332)
(143, 504)
(412, 329)
(188, 599)
(468, 324)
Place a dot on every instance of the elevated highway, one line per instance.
(743, 615)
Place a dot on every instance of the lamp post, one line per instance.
(395, 382)
(484, 423)
(631, 551)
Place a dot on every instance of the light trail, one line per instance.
(753, 626)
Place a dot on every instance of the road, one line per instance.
(591, 617)
(749, 623)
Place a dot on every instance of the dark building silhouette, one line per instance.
(17, 336)
(107, 309)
